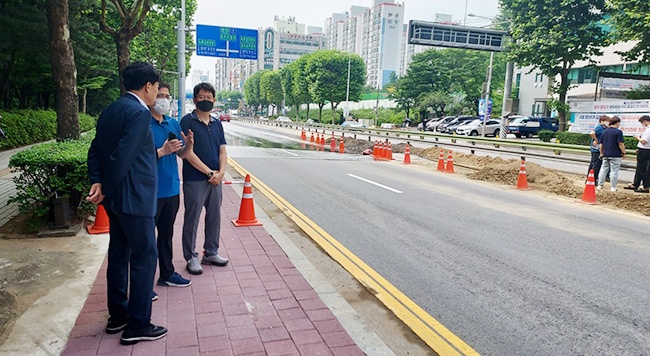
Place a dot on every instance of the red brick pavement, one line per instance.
(259, 304)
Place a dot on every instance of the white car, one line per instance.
(283, 119)
(263, 118)
(475, 128)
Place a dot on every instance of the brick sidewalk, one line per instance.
(259, 304)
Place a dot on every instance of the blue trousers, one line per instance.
(132, 255)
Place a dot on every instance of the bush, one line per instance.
(25, 127)
(572, 138)
(50, 170)
(546, 135)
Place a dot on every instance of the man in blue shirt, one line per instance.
(202, 187)
(596, 135)
(168, 140)
(612, 151)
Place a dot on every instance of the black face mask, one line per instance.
(205, 105)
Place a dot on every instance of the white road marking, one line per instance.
(375, 183)
(289, 152)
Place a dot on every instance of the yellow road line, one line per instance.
(434, 334)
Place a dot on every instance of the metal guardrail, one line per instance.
(468, 142)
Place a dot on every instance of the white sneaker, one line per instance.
(613, 189)
(600, 187)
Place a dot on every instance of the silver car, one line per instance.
(475, 128)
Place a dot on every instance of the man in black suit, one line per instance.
(122, 171)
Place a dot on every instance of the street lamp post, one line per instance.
(181, 62)
(347, 93)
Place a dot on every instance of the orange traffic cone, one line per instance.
(312, 137)
(382, 151)
(333, 143)
(449, 168)
(441, 161)
(589, 194)
(375, 151)
(407, 155)
(303, 136)
(389, 153)
(247, 208)
(522, 180)
(322, 142)
(101, 225)
(342, 146)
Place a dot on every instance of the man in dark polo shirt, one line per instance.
(612, 152)
(203, 188)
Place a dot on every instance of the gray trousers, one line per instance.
(199, 194)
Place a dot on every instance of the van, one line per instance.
(528, 126)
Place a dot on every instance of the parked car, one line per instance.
(312, 121)
(529, 126)
(351, 123)
(263, 118)
(224, 117)
(450, 127)
(433, 125)
(475, 128)
(283, 119)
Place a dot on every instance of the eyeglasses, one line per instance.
(163, 96)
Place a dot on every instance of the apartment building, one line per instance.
(375, 33)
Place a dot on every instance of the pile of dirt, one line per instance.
(506, 172)
(8, 312)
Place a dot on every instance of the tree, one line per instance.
(286, 75)
(64, 70)
(403, 94)
(551, 35)
(123, 23)
(271, 89)
(252, 90)
(643, 92)
(230, 98)
(300, 87)
(327, 76)
(158, 38)
(631, 22)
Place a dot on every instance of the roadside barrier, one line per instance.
(101, 225)
(407, 155)
(450, 164)
(522, 180)
(441, 161)
(247, 207)
(589, 194)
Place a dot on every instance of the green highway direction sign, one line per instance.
(226, 42)
(455, 36)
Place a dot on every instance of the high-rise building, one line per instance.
(374, 33)
(286, 43)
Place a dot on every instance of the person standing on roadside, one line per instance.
(170, 143)
(612, 152)
(642, 175)
(122, 173)
(202, 187)
(596, 135)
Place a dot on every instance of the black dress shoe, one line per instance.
(150, 333)
(642, 190)
(114, 326)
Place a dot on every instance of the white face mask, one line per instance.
(162, 106)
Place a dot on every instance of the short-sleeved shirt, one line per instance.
(207, 141)
(646, 137)
(598, 130)
(610, 140)
(169, 183)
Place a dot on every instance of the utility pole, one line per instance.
(507, 90)
(486, 117)
(181, 62)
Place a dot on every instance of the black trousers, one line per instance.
(165, 218)
(595, 164)
(131, 258)
(642, 174)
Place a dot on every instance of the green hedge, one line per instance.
(546, 135)
(50, 170)
(571, 138)
(26, 127)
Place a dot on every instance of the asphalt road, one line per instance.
(509, 272)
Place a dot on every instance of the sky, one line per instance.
(255, 14)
